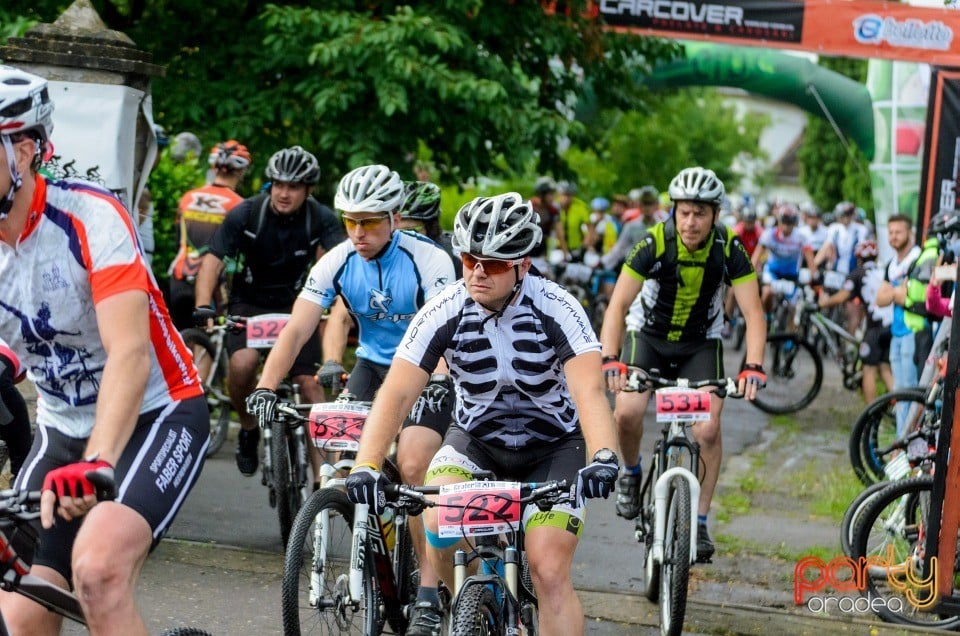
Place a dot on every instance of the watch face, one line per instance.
(605, 456)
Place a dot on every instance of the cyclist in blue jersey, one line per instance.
(383, 277)
(783, 250)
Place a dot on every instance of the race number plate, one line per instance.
(336, 426)
(492, 507)
(833, 280)
(263, 330)
(676, 404)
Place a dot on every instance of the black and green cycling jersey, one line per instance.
(683, 291)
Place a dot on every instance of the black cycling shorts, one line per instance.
(875, 347)
(367, 377)
(309, 358)
(156, 471)
(701, 360)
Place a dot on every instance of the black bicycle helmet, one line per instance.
(293, 165)
(421, 201)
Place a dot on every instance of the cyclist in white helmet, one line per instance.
(274, 237)
(81, 309)
(673, 285)
(530, 404)
(382, 276)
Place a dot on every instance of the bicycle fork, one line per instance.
(660, 491)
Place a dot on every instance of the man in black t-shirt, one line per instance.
(862, 284)
(275, 238)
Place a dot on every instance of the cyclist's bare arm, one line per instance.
(759, 256)
(614, 321)
(394, 399)
(586, 384)
(747, 294)
(809, 259)
(827, 253)
(302, 325)
(336, 332)
(887, 294)
(833, 300)
(207, 278)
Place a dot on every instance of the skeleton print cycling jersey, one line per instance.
(511, 390)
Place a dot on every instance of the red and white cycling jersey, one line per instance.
(79, 247)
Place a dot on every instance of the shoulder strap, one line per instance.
(256, 220)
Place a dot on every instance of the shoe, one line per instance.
(248, 459)
(705, 547)
(425, 620)
(628, 497)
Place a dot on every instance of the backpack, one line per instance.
(262, 202)
(717, 258)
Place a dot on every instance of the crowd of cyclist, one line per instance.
(474, 358)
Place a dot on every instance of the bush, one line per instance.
(167, 183)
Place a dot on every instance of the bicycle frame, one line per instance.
(55, 599)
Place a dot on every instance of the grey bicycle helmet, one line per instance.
(544, 185)
(565, 187)
(697, 184)
(373, 188)
(293, 165)
(421, 202)
(502, 226)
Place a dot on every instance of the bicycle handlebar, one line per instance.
(639, 381)
(544, 494)
(20, 505)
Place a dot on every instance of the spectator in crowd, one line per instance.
(184, 146)
(574, 221)
(548, 213)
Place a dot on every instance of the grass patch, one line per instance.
(827, 493)
(733, 503)
(786, 423)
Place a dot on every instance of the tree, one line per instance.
(828, 170)
(485, 86)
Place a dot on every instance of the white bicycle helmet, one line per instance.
(503, 226)
(231, 155)
(697, 184)
(24, 103)
(293, 165)
(373, 188)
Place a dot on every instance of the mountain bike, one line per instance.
(19, 511)
(667, 524)
(211, 346)
(891, 536)
(346, 571)
(795, 366)
(499, 598)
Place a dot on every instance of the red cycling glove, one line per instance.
(613, 368)
(753, 374)
(88, 477)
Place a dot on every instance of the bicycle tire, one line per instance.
(646, 519)
(675, 569)
(328, 563)
(219, 409)
(794, 367)
(894, 524)
(739, 332)
(408, 579)
(854, 512)
(285, 486)
(598, 311)
(476, 613)
(875, 423)
(185, 631)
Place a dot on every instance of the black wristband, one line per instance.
(210, 307)
(607, 359)
(753, 367)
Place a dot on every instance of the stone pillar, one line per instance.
(94, 69)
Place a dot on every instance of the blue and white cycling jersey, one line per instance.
(784, 253)
(384, 293)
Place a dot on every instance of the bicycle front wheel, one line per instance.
(284, 486)
(874, 434)
(794, 375)
(851, 517)
(892, 533)
(675, 570)
(316, 566)
(198, 341)
(476, 612)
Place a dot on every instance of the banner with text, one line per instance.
(941, 159)
(853, 28)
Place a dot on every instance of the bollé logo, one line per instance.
(874, 30)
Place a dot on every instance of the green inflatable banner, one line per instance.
(779, 76)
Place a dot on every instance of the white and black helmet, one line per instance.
(373, 188)
(503, 226)
(697, 184)
(293, 165)
(25, 104)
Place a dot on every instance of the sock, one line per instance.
(428, 594)
(634, 470)
(702, 520)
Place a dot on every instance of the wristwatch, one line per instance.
(606, 456)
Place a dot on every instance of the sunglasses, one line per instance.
(490, 266)
(364, 224)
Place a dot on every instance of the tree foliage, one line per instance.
(828, 170)
(484, 86)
